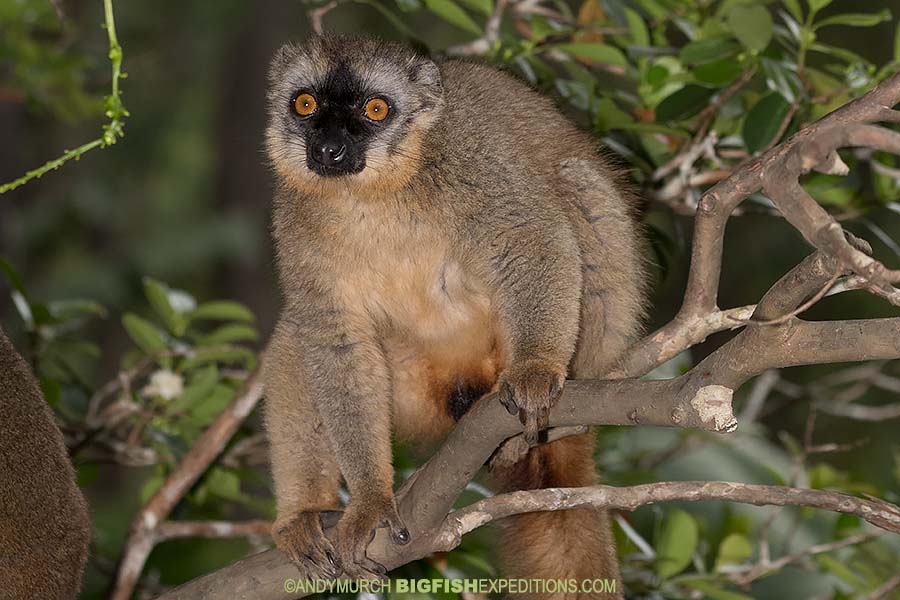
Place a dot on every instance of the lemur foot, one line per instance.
(529, 390)
(509, 453)
(356, 529)
(302, 539)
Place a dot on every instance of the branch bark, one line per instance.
(263, 576)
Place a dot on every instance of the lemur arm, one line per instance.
(350, 388)
(537, 307)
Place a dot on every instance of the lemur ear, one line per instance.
(426, 74)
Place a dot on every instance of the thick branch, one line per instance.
(262, 577)
(718, 203)
(877, 512)
(699, 399)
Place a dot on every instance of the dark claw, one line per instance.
(555, 388)
(402, 537)
(332, 559)
(507, 399)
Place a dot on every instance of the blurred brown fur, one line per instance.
(44, 521)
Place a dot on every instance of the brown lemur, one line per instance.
(44, 523)
(442, 231)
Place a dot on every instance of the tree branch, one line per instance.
(773, 338)
(262, 576)
(145, 527)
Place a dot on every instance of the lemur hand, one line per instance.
(301, 537)
(357, 528)
(530, 389)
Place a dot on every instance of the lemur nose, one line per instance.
(330, 153)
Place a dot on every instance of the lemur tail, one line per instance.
(572, 546)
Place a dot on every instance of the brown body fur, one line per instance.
(44, 523)
(504, 256)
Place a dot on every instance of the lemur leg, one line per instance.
(304, 470)
(537, 310)
(613, 277)
(610, 312)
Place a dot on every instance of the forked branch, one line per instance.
(773, 336)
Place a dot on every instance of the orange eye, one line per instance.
(377, 109)
(305, 105)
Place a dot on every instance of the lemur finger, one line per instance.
(326, 561)
(399, 532)
(531, 428)
(508, 398)
(364, 567)
(556, 387)
(543, 418)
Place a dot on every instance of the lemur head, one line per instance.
(349, 113)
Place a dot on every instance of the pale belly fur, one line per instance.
(438, 332)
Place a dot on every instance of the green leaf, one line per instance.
(486, 7)
(200, 387)
(639, 34)
(147, 337)
(751, 24)
(212, 405)
(656, 75)
(655, 9)
(839, 569)
(24, 309)
(228, 354)
(393, 19)
(856, 19)
(603, 53)
(453, 14)
(734, 550)
(793, 7)
(158, 295)
(847, 525)
(65, 310)
(224, 483)
(764, 121)
(609, 116)
(12, 276)
(781, 78)
(849, 57)
(51, 390)
(232, 332)
(676, 543)
(41, 313)
(222, 310)
(708, 50)
(816, 5)
(408, 5)
(684, 103)
(718, 73)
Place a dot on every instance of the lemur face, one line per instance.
(348, 109)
